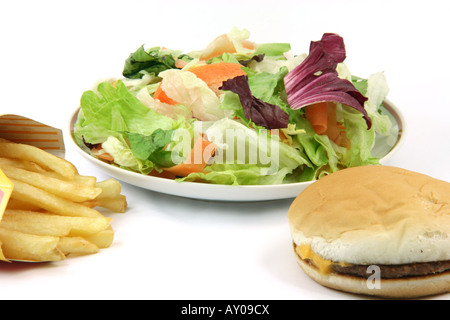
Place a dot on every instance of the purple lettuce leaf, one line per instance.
(259, 112)
(316, 79)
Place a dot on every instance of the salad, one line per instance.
(235, 113)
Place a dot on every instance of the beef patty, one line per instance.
(396, 271)
(392, 271)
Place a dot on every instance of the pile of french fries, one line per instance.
(53, 212)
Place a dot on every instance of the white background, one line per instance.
(173, 248)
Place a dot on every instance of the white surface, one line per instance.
(202, 191)
(174, 248)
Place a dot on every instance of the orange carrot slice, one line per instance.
(317, 115)
(215, 74)
(333, 131)
(163, 174)
(106, 156)
(103, 156)
(162, 96)
(324, 121)
(196, 161)
(336, 130)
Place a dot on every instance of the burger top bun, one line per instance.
(374, 215)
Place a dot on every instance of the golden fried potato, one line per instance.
(52, 213)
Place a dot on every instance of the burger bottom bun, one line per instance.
(402, 288)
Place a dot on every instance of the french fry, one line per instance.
(50, 224)
(82, 226)
(117, 204)
(64, 189)
(88, 181)
(40, 224)
(17, 204)
(50, 202)
(110, 197)
(102, 239)
(18, 163)
(26, 247)
(110, 188)
(76, 246)
(51, 212)
(39, 156)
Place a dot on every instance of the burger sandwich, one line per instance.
(375, 230)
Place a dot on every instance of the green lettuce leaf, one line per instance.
(151, 147)
(124, 157)
(361, 139)
(263, 114)
(269, 87)
(128, 130)
(246, 156)
(192, 92)
(377, 91)
(150, 61)
(113, 111)
(320, 150)
(264, 86)
(238, 174)
(273, 50)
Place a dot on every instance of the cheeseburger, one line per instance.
(375, 230)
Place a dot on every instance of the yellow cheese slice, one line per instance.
(6, 188)
(305, 252)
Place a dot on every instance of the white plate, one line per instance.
(383, 149)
